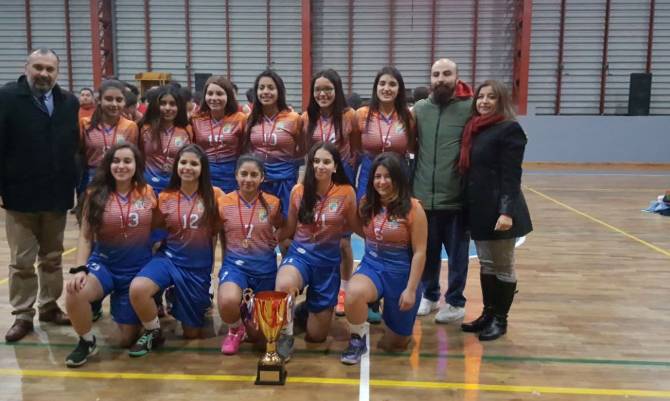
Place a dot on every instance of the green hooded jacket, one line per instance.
(437, 183)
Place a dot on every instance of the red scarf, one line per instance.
(476, 125)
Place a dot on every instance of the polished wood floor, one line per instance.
(591, 322)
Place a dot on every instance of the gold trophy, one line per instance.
(271, 310)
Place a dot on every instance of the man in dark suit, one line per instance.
(38, 142)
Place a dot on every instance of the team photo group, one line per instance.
(160, 188)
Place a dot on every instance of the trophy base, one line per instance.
(271, 375)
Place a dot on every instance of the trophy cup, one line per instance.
(271, 309)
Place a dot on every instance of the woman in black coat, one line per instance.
(491, 155)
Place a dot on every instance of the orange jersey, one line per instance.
(97, 140)
(221, 139)
(86, 112)
(124, 237)
(249, 230)
(381, 134)
(189, 240)
(159, 157)
(321, 239)
(277, 139)
(390, 238)
(325, 132)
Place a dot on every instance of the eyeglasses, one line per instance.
(326, 91)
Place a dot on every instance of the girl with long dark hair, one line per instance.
(322, 209)
(105, 128)
(274, 133)
(396, 232)
(386, 125)
(188, 211)
(329, 119)
(109, 254)
(218, 127)
(164, 129)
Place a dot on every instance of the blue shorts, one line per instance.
(191, 288)
(323, 282)
(223, 175)
(118, 286)
(158, 181)
(232, 274)
(390, 286)
(350, 172)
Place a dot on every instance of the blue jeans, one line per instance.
(445, 227)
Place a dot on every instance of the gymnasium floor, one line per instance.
(590, 322)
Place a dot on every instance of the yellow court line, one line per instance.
(594, 219)
(69, 251)
(69, 374)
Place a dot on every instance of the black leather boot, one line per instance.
(498, 326)
(488, 283)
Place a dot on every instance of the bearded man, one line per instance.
(437, 184)
(39, 135)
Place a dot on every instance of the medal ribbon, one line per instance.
(327, 132)
(272, 130)
(384, 139)
(181, 223)
(125, 220)
(105, 132)
(378, 231)
(246, 229)
(317, 219)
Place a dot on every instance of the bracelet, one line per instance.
(82, 268)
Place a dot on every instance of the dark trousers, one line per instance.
(445, 228)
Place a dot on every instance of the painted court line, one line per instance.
(425, 385)
(597, 220)
(364, 386)
(423, 355)
(69, 251)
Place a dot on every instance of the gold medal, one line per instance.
(245, 243)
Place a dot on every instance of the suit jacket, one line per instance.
(37, 151)
(494, 182)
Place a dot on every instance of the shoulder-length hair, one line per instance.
(103, 184)
(152, 118)
(309, 195)
(223, 82)
(400, 102)
(205, 190)
(257, 110)
(372, 204)
(96, 117)
(314, 110)
(504, 106)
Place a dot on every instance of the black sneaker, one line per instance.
(356, 349)
(80, 355)
(150, 340)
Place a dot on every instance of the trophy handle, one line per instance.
(289, 309)
(247, 308)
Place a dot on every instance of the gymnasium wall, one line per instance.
(597, 139)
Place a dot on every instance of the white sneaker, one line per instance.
(448, 314)
(426, 306)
